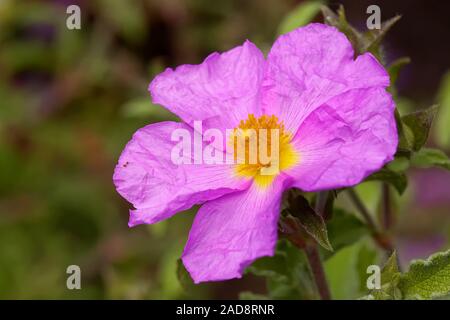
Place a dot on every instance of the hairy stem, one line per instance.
(321, 201)
(362, 210)
(381, 239)
(387, 211)
(312, 253)
(294, 232)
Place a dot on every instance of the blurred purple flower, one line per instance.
(337, 127)
(420, 248)
(44, 32)
(431, 187)
(66, 3)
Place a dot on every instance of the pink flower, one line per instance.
(336, 124)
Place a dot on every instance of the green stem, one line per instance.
(295, 233)
(321, 201)
(387, 212)
(313, 255)
(362, 210)
(381, 239)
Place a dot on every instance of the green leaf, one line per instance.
(345, 229)
(419, 123)
(329, 16)
(390, 269)
(366, 42)
(310, 220)
(300, 16)
(372, 38)
(399, 164)
(390, 276)
(395, 68)
(405, 134)
(427, 157)
(339, 21)
(394, 71)
(380, 295)
(397, 179)
(287, 273)
(427, 279)
(442, 128)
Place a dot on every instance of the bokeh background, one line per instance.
(71, 99)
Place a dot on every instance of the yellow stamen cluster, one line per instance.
(256, 136)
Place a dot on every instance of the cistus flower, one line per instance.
(336, 124)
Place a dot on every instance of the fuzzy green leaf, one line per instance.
(390, 276)
(427, 279)
(390, 270)
(311, 221)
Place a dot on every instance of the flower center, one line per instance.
(262, 148)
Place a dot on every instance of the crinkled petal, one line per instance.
(148, 178)
(221, 91)
(229, 233)
(309, 66)
(345, 140)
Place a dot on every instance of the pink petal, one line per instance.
(345, 140)
(158, 188)
(309, 66)
(221, 91)
(229, 233)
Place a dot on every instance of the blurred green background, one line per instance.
(71, 99)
